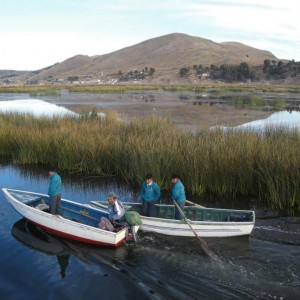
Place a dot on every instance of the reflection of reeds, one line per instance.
(231, 163)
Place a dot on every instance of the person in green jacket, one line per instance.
(54, 191)
(178, 194)
(150, 193)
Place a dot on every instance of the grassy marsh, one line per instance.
(213, 88)
(231, 164)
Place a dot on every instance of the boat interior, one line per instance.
(70, 210)
(192, 212)
(195, 213)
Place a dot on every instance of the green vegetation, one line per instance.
(270, 70)
(232, 164)
(212, 88)
(233, 73)
(73, 78)
(76, 88)
(145, 73)
(280, 70)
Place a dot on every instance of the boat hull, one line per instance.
(60, 226)
(203, 229)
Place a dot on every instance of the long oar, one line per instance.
(194, 204)
(202, 243)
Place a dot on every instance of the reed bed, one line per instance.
(265, 166)
(213, 88)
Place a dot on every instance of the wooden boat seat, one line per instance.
(33, 202)
(68, 213)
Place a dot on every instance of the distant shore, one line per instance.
(123, 88)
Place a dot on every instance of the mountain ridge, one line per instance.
(167, 54)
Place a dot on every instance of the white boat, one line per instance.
(207, 222)
(77, 221)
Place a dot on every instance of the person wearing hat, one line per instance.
(54, 191)
(178, 194)
(150, 193)
(115, 209)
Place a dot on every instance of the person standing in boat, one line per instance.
(115, 209)
(150, 193)
(54, 191)
(178, 194)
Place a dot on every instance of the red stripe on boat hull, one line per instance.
(76, 238)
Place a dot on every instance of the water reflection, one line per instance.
(104, 264)
(244, 101)
(279, 120)
(141, 96)
(264, 266)
(35, 107)
(63, 261)
(76, 187)
(182, 107)
(33, 237)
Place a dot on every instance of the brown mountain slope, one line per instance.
(174, 51)
(167, 54)
(59, 70)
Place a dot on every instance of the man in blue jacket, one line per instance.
(54, 191)
(178, 194)
(150, 193)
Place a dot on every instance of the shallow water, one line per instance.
(36, 265)
(186, 109)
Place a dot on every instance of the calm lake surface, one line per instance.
(187, 109)
(35, 265)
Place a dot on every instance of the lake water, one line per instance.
(186, 109)
(35, 265)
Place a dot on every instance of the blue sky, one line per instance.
(38, 33)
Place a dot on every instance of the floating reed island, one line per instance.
(265, 166)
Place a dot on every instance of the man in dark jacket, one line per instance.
(54, 191)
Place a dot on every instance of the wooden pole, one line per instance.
(194, 204)
(202, 243)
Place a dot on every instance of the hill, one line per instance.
(165, 54)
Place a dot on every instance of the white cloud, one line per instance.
(272, 23)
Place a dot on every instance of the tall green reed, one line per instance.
(266, 166)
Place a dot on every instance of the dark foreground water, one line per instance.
(35, 265)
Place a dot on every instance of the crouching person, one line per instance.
(116, 210)
(116, 214)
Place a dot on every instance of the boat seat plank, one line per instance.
(93, 221)
(32, 202)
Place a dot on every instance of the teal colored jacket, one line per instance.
(150, 193)
(55, 185)
(178, 193)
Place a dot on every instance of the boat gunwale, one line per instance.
(171, 205)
